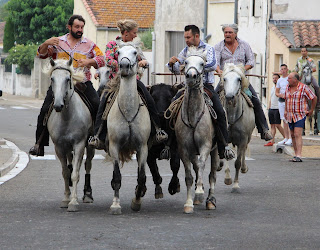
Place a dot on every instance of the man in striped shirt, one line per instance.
(297, 94)
(85, 54)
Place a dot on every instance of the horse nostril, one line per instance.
(194, 76)
(187, 76)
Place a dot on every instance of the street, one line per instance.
(277, 207)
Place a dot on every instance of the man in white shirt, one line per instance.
(273, 111)
(280, 90)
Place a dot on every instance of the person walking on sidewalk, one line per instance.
(281, 86)
(85, 54)
(296, 109)
(273, 112)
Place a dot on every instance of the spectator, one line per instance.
(273, 113)
(280, 90)
(296, 109)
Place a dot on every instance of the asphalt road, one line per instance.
(278, 206)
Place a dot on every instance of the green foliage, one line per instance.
(37, 20)
(8, 38)
(23, 55)
(146, 38)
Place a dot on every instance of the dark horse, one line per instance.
(162, 95)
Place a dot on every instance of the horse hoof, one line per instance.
(245, 170)
(135, 206)
(188, 209)
(221, 164)
(87, 199)
(73, 208)
(228, 181)
(115, 210)
(211, 203)
(198, 199)
(158, 196)
(64, 204)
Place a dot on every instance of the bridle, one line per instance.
(70, 82)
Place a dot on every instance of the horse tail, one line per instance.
(126, 155)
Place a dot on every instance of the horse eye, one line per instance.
(135, 52)
(224, 79)
(201, 64)
(186, 63)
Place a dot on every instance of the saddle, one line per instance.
(79, 88)
(172, 112)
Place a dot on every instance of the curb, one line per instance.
(16, 163)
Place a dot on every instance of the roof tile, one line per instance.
(306, 33)
(106, 13)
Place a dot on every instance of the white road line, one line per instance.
(21, 164)
(18, 107)
(249, 159)
(53, 157)
(2, 108)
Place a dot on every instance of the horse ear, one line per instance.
(52, 62)
(70, 61)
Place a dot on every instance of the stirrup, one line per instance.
(165, 153)
(95, 142)
(229, 153)
(161, 135)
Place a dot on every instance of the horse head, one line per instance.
(306, 74)
(127, 58)
(194, 66)
(104, 73)
(233, 80)
(62, 75)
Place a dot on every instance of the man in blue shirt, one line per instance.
(192, 38)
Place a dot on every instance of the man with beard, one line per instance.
(85, 54)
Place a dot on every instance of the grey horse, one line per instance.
(308, 80)
(128, 127)
(195, 132)
(240, 115)
(69, 125)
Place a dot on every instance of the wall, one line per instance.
(295, 9)
(173, 15)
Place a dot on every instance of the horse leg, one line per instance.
(87, 190)
(227, 178)
(315, 128)
(310, 122)
(78, 150)
(174, 185)
(152, 163)
(141, 187)
(66, 175)
(188, 206)
(237, 164)
(200, 165)
(211, 200)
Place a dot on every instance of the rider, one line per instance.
(192, 38)
(302, 61)
(85, 54)
(128, 29)
(234, 50)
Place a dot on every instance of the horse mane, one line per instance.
(77, 75)
(229, 67)
(194, 51)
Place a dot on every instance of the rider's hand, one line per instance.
(84, 62)
(173, 60)
(52, 41)
(143, 63)
(96, 76)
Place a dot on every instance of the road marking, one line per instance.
(53, 157)
(2, 108)
(18, 107)
(249, 159)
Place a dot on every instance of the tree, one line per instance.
(8, 37)
(35, 21)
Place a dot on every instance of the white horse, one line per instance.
(240, 116)
(128, 127)
(104, 73)
(69, 125)
(195, 132)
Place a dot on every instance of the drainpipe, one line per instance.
(153, 65)
(205, 22)
(235, 12)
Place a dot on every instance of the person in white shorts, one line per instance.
(280, 90)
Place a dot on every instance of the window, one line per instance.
(256, 8)
(177, 43)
